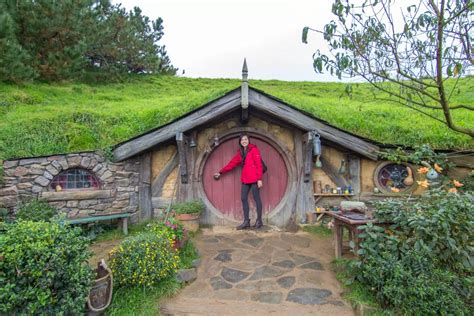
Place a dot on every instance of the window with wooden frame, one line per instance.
(390, 177)
(75, 179)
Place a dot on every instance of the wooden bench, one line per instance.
(123, 220)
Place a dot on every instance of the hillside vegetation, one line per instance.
(42, 119)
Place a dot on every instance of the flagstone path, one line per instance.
(261, 273)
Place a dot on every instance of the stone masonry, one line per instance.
(31, 177)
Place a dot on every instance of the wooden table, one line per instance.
(341, 221)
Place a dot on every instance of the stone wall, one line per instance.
(32, 177)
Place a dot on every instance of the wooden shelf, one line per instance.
(330, 194)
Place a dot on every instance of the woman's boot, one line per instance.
(258, 223)
(244, 225)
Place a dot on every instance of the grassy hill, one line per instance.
(42, 119)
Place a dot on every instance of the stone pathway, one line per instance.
(261, 273)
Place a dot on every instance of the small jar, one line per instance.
(339, 190)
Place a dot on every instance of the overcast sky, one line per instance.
(211, 38)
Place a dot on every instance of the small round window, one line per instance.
(394, 178)
(75, 179)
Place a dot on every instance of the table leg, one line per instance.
(338, 234)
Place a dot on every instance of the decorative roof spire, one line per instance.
(245, 86)
(245, 71)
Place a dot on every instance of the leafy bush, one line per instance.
(43, 270)
(172, 230)
(196, 206)
(422, 263)
(143, 260)
(36, 210)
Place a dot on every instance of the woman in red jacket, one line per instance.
(252, 171)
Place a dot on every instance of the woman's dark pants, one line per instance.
(256, 196)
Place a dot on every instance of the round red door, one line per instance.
(224, 194)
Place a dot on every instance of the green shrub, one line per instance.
(43, 269)
(421, 264)
(143, 260)
(36, 210)
(196, 206)
(170, 229)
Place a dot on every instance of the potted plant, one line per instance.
(188, 213)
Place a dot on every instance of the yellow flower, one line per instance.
(424, 184)
(423, 170)
(438, 168)
(457, 184)
(453, 190)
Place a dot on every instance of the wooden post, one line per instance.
(183, 168)
(144, 189)
(338, 233)
(307, 156)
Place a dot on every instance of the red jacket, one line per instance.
(252, 170)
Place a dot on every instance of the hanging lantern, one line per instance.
(316, 144)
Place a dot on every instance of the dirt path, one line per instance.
(261, 273)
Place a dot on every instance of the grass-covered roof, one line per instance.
(42, 119)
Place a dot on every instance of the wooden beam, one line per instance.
(142, 143)
(307, 123)
(332, 173)
(307, 156)
(183, 167)
(157, 186)
(75, 195)
(144, 188)
(354, 173)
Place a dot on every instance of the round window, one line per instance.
(394, 178)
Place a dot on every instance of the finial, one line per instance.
(245, 71)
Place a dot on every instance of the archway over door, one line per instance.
(224, 195)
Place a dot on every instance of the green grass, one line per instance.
(43, 119)
(142, 301)
(319, 230)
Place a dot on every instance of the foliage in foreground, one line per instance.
(422, 264)
(43, 269)
(143, 260)
(140, 300)
(36, 210)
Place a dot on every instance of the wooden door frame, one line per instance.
(278, 145)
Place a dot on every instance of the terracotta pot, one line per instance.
(189, 221)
